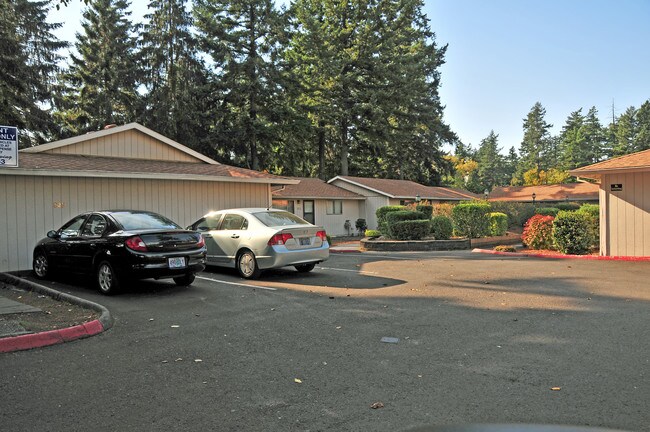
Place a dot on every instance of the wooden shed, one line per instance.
(624, 203)
(125, 167)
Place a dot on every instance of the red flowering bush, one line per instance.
(538, 232)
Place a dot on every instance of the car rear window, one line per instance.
(279, 218)
(136, 221)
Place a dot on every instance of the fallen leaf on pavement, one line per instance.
(297, 380)
(556, 388)
(377, 405)
(175, 326)
(197, 360)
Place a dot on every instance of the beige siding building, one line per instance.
(624, 203)
(383, 192)
(126, 167)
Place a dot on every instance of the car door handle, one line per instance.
(234, 236)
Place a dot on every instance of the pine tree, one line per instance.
(534, 147)
(101, 82)
(594, 136)
(241, 36)
(642, 138)
(625, 132)
(175, 78)
(30, 62)
(492, 169)
(573, 141)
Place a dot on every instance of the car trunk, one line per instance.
(304, 237)
(170, 241)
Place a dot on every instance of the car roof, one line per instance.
(250, 210)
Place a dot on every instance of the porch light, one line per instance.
(534, 196)
(417, 198)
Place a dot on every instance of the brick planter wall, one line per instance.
(508, 239)
(413, 245)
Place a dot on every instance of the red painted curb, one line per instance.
(52, 337)
(560, 256)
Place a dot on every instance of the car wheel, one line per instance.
(108, 281)
(305, 268)
(185, 280)
(247, 265)
(41, 265)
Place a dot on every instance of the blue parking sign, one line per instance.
(8, 146)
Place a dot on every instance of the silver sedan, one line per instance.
(255, 239)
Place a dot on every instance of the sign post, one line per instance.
(8, 146)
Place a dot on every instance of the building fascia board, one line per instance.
(596, 174)
(362, 186)
(148, 176)
(319, 198)
(105, 132)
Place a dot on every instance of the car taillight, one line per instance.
(136, 244)
(201, 241)
(280, 239)
(322, 235)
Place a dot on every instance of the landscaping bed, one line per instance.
(387, 245)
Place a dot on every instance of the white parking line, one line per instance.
(346, 270)
(238, 284)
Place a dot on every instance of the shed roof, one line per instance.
(557, 192)
(314, 188)
(639, 161)
(47, 164)
(407, 189)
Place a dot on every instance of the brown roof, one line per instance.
(409, 189)
(89, 165)
(634, 161)
(556, 192)
(314, 188)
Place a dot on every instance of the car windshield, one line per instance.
(279, 218)
(137, 221)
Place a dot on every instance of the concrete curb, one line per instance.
(560, 256)
(52, 337)
(345, 251)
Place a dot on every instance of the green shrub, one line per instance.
(471, 220)
(381, 216)
(573, 232)
(410, 229)
(518, 213)
(591, 209)
(427, 209)
(568, 206)
(547, 211)
(329, 239)
(443, 209)
(538, 232)
(372, 233)
(361, 225)
(593, 212)
(441, 227)
(399, 216)
(498, 223)
(504, 248)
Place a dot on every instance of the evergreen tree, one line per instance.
(30, 58)
(625, 130)
(511, 163)
(642, 138)
(101, 82)
(175, 78)
(535, 145)
(492, 169)
(594, 136)
(241, 36)
(573, 141)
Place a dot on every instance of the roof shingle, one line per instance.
(556, 192)
(634, 161)
(409, 189)
(314, 188)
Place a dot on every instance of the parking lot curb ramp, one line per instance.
(53, 337)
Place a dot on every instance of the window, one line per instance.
(136, 221)
(279, 218)
(95, 226)
(71, 229)
(209, 223)
(286, 205)
(335, 207)
(234, 222)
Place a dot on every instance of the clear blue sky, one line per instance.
(505, 55)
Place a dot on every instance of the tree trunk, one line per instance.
(321, 150)
(344, 146)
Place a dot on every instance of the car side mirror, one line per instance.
(53, 234)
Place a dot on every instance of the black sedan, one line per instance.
(121, 244)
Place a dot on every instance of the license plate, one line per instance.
(176, 262)
(305, 241)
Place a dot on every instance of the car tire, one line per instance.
(305, 268)
(107, 278)
(41, 265)
(185, 280)
(247, 265)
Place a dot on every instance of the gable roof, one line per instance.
(557, 192)
(639, 161)
(66, 165)
(118, 129)
(314, 188)
(406, 189)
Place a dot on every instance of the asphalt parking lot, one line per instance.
(480, 339)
